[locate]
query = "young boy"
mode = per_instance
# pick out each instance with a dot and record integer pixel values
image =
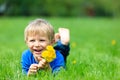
(38, 35)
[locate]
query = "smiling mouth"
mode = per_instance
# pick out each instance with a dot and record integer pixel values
(38, 51)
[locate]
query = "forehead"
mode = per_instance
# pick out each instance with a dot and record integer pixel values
(37, 37)
(36, 33)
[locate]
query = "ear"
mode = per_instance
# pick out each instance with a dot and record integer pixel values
(53, 42)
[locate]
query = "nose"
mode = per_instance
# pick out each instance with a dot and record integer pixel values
(37, 43)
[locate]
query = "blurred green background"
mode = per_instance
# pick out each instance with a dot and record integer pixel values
(75, 8)
(94, 36)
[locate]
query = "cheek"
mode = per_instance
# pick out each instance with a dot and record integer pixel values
(49, 43)
(29, 45)
(45, 44)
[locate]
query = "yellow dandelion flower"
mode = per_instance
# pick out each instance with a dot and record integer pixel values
(74, 62)
(45, 54)
(113, 42)
(49, 54)
(49, 48)
(73, 44)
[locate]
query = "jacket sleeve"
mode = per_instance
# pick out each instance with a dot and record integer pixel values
(58, 63)
(24, 63)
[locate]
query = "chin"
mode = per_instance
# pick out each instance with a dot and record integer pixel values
(37, 55)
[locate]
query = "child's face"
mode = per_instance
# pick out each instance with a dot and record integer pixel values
(37, 44)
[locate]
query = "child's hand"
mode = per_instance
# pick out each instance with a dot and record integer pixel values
(42, 63)
(33, 69)
(63, 35)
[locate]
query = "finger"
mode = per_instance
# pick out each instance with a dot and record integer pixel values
(33, 71)
(39, 59)
(42, 64)
(43, 60)
(34, 67)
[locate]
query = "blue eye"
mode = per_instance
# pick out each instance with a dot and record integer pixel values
(42, 40)
(32, 40)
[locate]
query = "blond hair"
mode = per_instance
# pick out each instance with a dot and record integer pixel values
(39, 26)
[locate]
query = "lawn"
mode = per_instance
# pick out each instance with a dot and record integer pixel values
(94, 55)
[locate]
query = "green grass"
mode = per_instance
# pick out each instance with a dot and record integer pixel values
(92, 56)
